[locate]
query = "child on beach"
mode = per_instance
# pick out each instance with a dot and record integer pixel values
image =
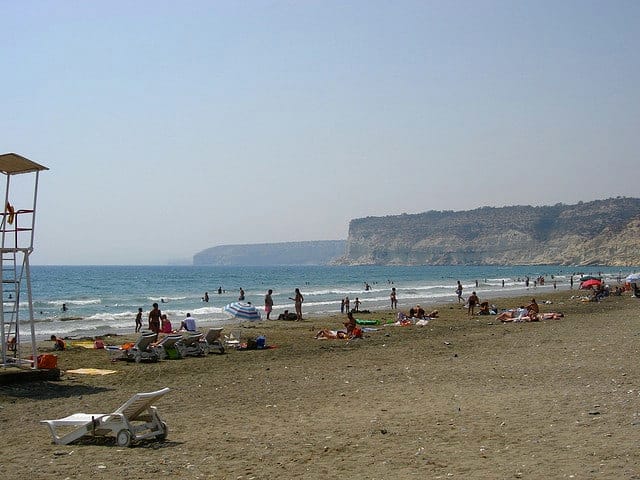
(139, 320)
(58, 343)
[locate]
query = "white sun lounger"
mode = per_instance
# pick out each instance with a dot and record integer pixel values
(135, 420)
(213, 340)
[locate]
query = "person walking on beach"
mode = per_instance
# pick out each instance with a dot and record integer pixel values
(357, 305)
(268, 303)
(154, 319)
(241, 297)
(346, 304)
(342, 305)
(139, 320)
(472, 301)
(394, 298)
(459, 292)
(298, 304)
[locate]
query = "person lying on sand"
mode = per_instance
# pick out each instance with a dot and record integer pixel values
(511, 315)
(331, 334)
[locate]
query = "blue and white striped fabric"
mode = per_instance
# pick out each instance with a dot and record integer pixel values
(633, 278)
(243, 311)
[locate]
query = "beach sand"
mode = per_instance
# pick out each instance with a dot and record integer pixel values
(460, 398)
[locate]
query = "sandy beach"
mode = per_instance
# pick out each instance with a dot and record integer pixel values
(459, 398)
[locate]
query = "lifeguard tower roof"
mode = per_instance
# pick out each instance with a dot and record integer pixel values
(12, 163)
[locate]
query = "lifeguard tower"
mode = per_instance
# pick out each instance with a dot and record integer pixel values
(17, 229)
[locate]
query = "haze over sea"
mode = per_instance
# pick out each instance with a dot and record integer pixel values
(105, 299)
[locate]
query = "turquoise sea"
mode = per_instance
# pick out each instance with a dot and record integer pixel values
(105, 299)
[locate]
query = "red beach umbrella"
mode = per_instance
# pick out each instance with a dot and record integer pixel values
(590, 283)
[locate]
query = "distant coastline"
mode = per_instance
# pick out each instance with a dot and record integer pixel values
(320, 252)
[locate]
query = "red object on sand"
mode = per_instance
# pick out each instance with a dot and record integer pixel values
(590, 283)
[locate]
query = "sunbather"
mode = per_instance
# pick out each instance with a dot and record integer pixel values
(513, 315)
(331, 334)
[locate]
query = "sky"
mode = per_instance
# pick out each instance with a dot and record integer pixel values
(171, 127)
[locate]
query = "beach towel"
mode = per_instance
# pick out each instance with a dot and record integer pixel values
(360, 321)
(91, 371)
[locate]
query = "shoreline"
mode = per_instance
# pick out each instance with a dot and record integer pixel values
(500, 301)
(429, 303)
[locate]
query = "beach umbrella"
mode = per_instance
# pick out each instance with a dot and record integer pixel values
(243, 311)
(633, 278)
(589, 277)
(591, 283)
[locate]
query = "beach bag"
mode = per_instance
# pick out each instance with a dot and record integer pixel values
(47, 361)
(261, 341)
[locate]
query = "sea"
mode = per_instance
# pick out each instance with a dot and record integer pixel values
(103, 300)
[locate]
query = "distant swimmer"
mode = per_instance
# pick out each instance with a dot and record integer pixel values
(206, 297)
(64, 307)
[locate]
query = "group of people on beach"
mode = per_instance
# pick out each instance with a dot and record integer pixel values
(159, 322)
(527, 313)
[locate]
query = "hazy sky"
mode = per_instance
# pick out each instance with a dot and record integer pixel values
(173, 126)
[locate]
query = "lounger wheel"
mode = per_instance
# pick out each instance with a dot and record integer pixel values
(123, 438)
(164, 431)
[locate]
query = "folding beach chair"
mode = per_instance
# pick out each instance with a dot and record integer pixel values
(213, 340)
(166, 347)
(135, 420)
(233, 339)
(190, 345)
